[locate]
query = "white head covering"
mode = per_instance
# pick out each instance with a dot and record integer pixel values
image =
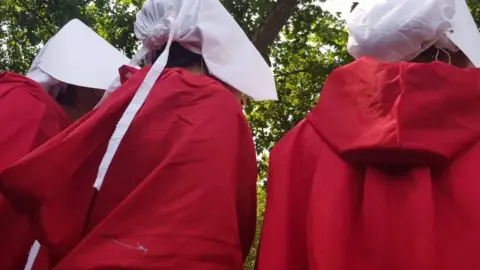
(204, 27)
(76, 55)
(396, 30)
(48, 83)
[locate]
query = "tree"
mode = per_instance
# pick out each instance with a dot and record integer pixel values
(273, 23)
(302, 42)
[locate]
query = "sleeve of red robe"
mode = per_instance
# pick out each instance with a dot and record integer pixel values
(26, 122)
(182, 184)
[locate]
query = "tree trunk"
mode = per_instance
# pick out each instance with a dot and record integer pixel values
(265, 35)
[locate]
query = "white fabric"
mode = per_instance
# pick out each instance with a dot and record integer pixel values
(394, 30)
(116, 83)
(208, 29)
(204, 27)
(48, 83)
(32, 255)
(465, 32)
(79, 56)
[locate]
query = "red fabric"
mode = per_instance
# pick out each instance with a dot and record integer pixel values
(382, 174)
(180, 192)
(126, 72)
(42, 260)
(28, 118)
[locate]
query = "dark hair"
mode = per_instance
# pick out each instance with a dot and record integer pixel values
(68, 97)
(429, 55)
(458, 59)
(179, 56)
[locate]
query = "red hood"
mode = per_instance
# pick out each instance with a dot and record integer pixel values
(401, 113)
(10, 77)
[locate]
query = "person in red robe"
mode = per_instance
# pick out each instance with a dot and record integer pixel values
(35, 108)
(382, 174)
(180, 191)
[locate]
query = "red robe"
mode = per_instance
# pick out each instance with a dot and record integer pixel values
(383, 174)
(180, 192)
(28, 118)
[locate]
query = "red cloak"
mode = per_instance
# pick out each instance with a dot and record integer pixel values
(180, 192)
(383, 174)
(28, 118)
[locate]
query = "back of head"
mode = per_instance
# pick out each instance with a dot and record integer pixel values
(77, 101)
(395, 112)
(455, 58)
(401, 30)
(204, 28)
(178, 57)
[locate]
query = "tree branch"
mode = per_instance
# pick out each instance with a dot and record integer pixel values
(354, 5)
(291, 72)
(265, 35)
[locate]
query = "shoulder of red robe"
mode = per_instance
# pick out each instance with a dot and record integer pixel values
(11, 77)
(399, 112)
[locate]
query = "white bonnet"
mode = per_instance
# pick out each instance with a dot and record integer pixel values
(48, 83)
(399, 30)
(155, 19)
(79, 56)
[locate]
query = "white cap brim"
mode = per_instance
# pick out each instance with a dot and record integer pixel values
(79, 56)
(465, 32)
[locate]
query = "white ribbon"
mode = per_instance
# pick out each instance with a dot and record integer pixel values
(136, 103)
(116, 83)
(32, 255)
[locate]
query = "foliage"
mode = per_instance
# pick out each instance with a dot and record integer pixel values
(475, 9)
(309, 47)
(262, 198)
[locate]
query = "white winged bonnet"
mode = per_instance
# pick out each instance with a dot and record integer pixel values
(79, 56)
(204, 27)
(399, 30)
